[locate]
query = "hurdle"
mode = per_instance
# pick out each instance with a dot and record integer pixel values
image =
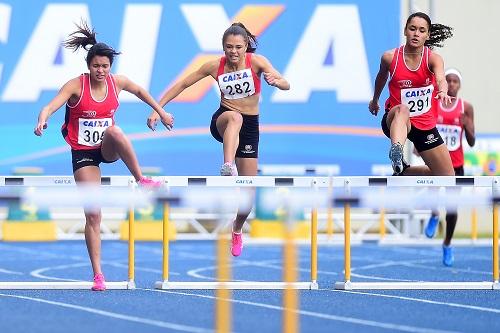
(18, 184)
(440, 182)
(248, 182)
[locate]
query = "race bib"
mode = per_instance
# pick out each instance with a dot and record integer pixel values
(418, 100)
(237, 85)
(451, 135)
(91, 131)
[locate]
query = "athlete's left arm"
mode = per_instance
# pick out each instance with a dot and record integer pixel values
(468, 124)
(271, 75)
(437, 67)
(124, 83)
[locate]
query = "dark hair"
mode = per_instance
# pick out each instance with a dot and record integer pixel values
(437, 32)
(76, 40)
(239, 29)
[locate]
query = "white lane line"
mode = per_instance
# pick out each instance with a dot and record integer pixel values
(151, 322)
(422, 300)
(6, 271)
(351, 320)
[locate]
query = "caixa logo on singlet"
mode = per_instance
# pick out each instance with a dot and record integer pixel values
(405, 83)
(234, 76)
(89, 113)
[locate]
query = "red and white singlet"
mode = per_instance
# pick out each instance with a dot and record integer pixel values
(450, 127)
(414, 88)
(86, 121)
(239, 84)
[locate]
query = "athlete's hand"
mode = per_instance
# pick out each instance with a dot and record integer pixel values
(168, 121)
(445, 99)
(152, 120)
(271, 79)
(39, 128)
(373, 107)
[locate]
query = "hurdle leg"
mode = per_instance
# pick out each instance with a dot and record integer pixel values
(496, 284)
(290, 297)
(223, 295)
(474, 225)
(347, 244)
(314, 248)
(131, 248)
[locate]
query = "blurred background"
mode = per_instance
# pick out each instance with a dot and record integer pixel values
(328, 50)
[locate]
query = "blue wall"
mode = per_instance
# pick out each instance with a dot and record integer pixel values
(330, 52)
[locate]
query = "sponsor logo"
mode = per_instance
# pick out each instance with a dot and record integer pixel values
(418, 93)
(89, 113)
(234, 76)
(431, 138)
(85, 159)
(248, 149)
(63, 181)
(425, 181)
(96, 123)
(427, 81)
(244, 181)
(405, 83)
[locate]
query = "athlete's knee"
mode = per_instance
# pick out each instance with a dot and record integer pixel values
(93, 218)
(402, 111)
(114, 132)
(234, 118)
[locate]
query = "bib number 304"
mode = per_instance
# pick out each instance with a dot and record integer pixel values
(91, 131)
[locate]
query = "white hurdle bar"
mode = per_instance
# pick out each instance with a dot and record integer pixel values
(430, 181)
(66, 182)
(213, 200)
(298, 182)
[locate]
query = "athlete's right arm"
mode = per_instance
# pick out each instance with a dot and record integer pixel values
(70, 88)
(380, 81)
(207, 69)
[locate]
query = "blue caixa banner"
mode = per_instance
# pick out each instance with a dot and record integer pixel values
(329, 52)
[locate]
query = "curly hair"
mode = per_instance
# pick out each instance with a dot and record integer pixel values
(437, 32)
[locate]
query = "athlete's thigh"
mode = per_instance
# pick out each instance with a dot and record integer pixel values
(246, 166)
(226, 117)
(88, 175)
(438, 160)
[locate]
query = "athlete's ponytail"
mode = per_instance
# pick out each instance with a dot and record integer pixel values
(437, 32)
(239, 29)
(84, 37)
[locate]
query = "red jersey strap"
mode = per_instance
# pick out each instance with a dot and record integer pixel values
(222, 63)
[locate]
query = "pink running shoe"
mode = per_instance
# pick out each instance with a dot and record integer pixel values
(236, 244)
(148, 183)
(99, 283)
(228, 169)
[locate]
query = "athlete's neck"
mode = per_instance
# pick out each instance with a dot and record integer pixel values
(412, 50)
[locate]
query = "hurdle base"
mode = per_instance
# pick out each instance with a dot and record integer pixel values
(348, 285)
(63, 285)
(165, 285)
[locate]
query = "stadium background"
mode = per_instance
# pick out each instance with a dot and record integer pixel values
(329, 51)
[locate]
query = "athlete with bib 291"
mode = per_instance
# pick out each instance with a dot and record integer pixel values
(236, 122)
(416, 85)
(89, 128)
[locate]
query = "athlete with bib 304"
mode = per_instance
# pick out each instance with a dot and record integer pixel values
(89, 128)
(417, 83)
(236, 122)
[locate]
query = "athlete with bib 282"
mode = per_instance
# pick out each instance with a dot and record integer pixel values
(236, 122)
(453, 122)
(417, 83)
(89, 128)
